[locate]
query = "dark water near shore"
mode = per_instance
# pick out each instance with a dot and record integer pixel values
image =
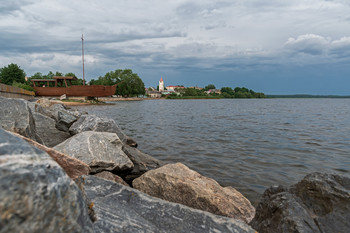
(249, 144)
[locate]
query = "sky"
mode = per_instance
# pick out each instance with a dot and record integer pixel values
(271, 46)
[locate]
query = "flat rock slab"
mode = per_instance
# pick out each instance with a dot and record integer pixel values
(122, 209)
(36, 194)
(100, 150)
(318, 203)
(98, 124)
(177, 183)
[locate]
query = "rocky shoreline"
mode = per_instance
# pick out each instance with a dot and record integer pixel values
(67, 171)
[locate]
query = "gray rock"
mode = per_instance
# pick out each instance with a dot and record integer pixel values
(119, 208)
(48, 108)
(36, 195)
(95, 123)
(72, 166)
(47, 132)
(100, 150)
(35, 107)
(177, 183)
(65, 120)
(318, 203)
(54, 110)
(112, 177)
(16, 116)
(142, 162)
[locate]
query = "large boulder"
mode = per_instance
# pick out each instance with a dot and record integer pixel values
(56, 111)
(318, 203)
(63, 117)
(65, 120)
(98, 124)
(72, 166)
(47, 132)
(119, 208)
(177, 183)
(100, 150)
(16, 116)
(142, 162)
(36, 194)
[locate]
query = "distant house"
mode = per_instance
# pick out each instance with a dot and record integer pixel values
(174, 87)
(211, 91)
(154, 94)
(167, 92)
(198, 88)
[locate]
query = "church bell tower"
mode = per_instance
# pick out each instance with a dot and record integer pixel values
(161, 84)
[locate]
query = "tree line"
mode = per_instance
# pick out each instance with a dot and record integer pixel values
(128, 83)
(224, 92)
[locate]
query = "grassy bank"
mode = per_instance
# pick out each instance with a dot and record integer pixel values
(194, 97)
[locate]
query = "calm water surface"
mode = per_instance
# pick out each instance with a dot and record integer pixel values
(249, 144)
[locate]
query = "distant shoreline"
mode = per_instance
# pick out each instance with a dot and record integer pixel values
(309, 96)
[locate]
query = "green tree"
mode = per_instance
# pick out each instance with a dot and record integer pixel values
(58, 73)
(49, 75)
(12, 73)
(130, 83)
(190, 92)
(227, 91)
(37, 75)
(259, 95)
(243, 94)
(208, 87)
(68, 74)
(93, 82)
(237, 89)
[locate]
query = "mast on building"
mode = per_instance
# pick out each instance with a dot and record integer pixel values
(82, 49)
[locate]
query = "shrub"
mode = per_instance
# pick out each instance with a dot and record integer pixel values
(23, 86)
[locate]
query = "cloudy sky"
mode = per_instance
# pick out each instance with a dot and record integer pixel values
(272, 46)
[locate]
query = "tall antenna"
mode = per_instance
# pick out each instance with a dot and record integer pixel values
(82, 48)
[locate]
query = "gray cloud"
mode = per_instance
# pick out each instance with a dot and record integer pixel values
(173, 36)
(8, 7)
(308, 44)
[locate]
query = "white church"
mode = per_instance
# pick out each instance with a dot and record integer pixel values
(161, 85)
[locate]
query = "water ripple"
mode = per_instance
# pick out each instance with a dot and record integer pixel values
(247, 144)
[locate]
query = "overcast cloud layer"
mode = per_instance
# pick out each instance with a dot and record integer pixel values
(274, 46)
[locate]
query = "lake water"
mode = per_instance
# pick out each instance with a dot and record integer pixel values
(249, 144)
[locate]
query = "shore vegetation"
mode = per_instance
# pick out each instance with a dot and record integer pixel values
(209, 92)
(129, 84)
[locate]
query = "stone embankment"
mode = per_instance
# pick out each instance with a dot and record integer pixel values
(67, 171)
(15, 92)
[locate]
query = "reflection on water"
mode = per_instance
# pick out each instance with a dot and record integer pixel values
(249, 144)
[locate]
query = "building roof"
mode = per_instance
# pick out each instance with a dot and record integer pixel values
(161, 79)
(43, 80)
(175, 86)
(64, 77)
